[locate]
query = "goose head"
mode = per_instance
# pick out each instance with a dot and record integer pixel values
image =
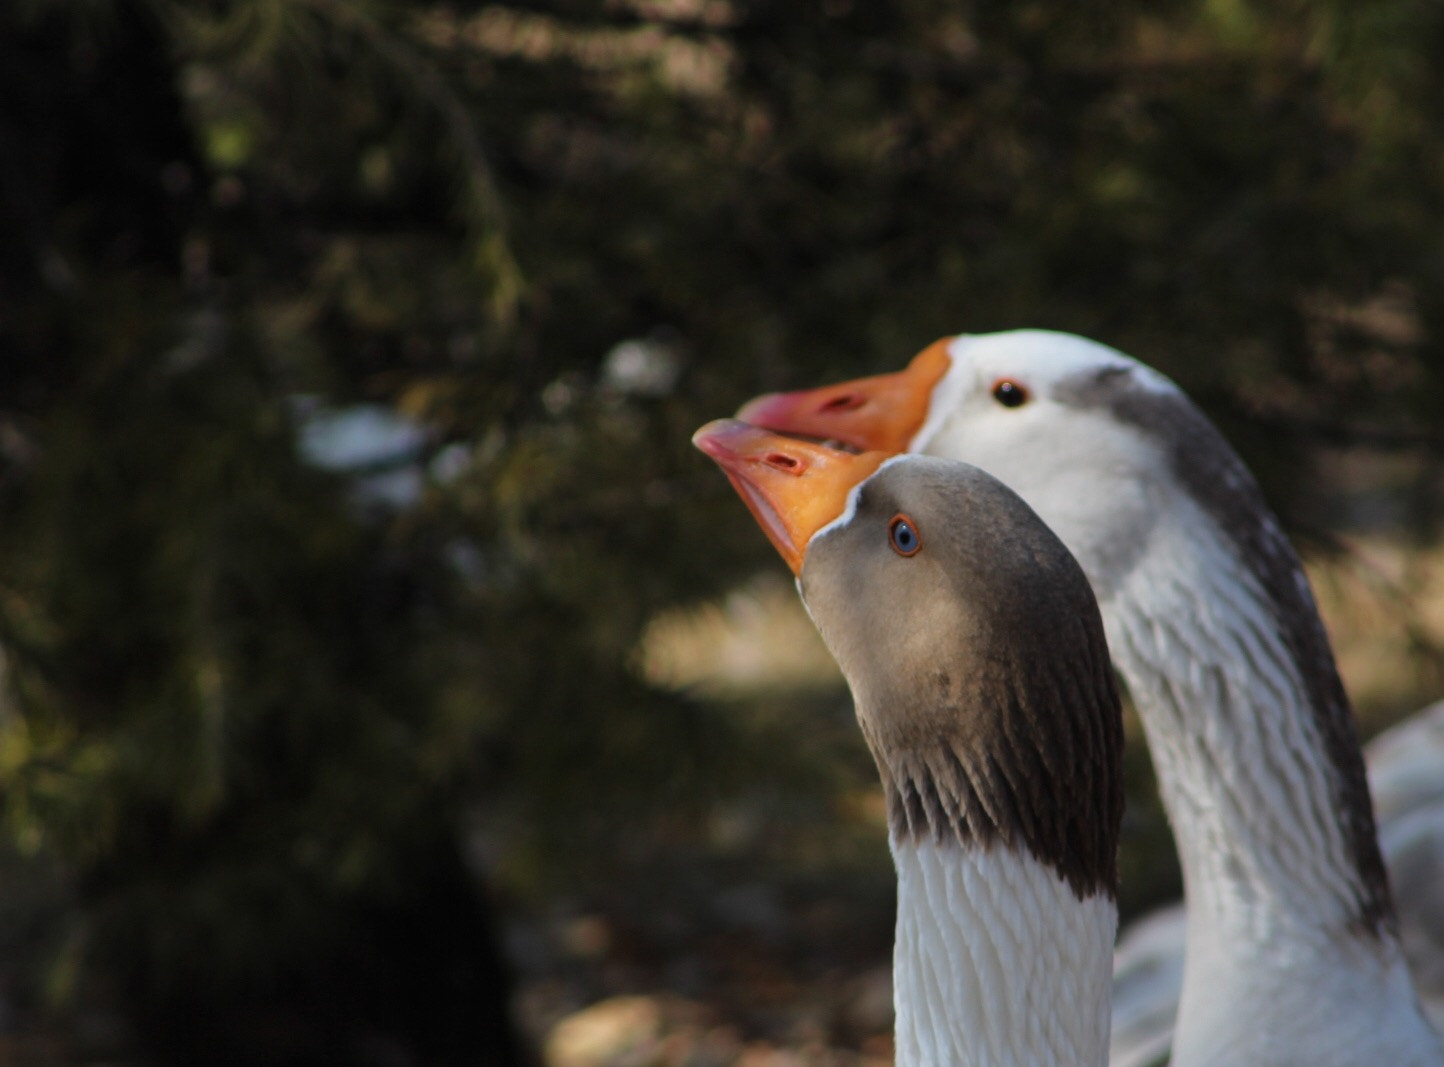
(1098, 443)
(968, 636)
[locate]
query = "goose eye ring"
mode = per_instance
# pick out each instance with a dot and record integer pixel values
(1009, 393)
(902, 535)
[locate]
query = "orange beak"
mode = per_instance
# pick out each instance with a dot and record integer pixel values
(882, 413)
(793, 488)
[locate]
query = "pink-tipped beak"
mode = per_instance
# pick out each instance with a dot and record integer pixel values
(793, 488)
(878, 414)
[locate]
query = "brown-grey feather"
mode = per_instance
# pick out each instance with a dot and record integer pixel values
(1219, 482)
(979, 668)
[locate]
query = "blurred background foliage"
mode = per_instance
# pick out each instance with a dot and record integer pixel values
(380, 664)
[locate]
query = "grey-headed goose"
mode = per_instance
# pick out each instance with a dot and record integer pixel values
(977, 662)
(1293, 951)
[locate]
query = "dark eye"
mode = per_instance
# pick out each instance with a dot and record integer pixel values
(902, 534)
(1009, 393)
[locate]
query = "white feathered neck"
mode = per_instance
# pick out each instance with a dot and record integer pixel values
(997, 961)
(1292, 953)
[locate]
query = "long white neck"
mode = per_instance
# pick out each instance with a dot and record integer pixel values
(1282, 940)
(997, 960)
(1239, 755)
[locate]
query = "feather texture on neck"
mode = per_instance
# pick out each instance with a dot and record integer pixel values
(996, 961)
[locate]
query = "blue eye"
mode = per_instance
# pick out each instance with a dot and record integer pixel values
(902, 534)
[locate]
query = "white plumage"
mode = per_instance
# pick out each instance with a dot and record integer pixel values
(1028, 945)
(1266, 976)
(1294, 954)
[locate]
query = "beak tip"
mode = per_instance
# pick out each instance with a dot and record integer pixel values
(709, 438)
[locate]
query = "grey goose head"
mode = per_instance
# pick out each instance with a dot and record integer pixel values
(968, 635)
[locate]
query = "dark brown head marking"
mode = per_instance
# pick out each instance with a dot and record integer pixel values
(979, 668)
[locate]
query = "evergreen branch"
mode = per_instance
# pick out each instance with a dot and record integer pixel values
(483, 194)
(1324, 431)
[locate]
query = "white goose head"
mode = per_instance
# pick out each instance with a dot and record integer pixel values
(976, 657)
(1064, 421)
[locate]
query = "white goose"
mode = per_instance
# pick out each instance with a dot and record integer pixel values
(1293, 950)
(980, 674)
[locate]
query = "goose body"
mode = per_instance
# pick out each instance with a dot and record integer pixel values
(980, 675)
(1293, 950)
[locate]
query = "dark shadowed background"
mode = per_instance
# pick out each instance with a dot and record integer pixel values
(384, 679)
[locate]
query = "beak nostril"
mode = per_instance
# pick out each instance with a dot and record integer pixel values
(783, 462)
(845, 402)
